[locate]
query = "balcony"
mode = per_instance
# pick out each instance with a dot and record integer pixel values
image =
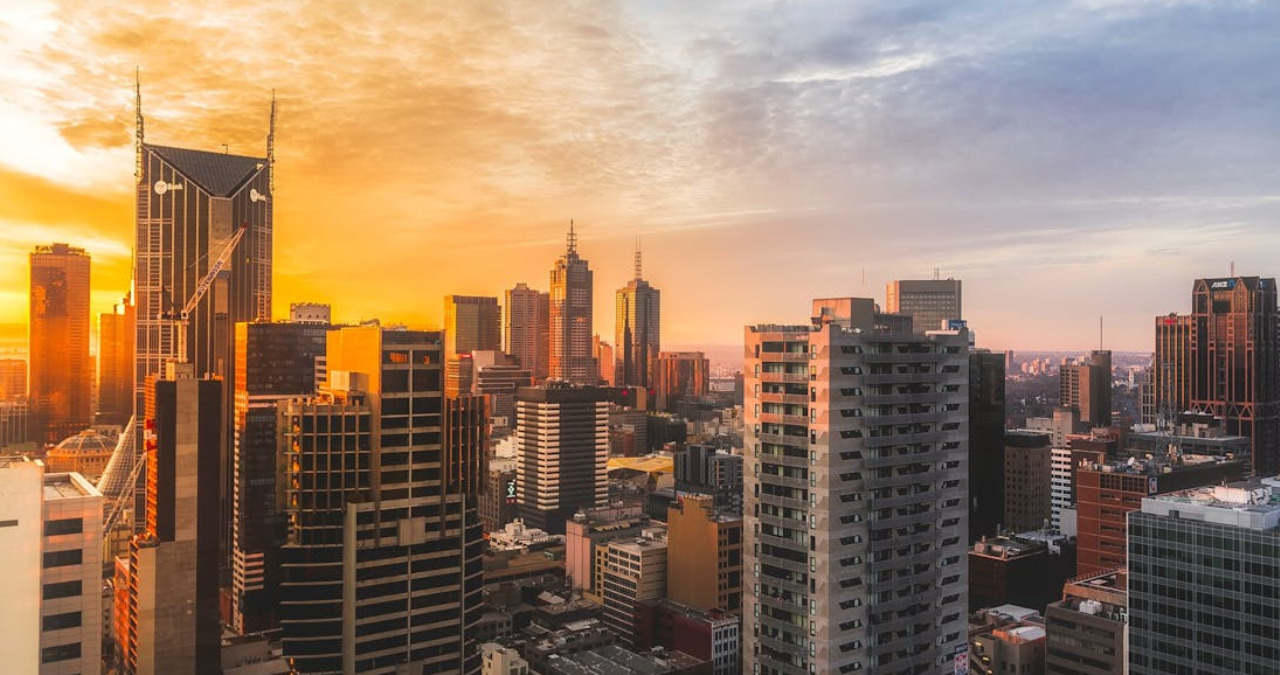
(785, 378)
(783, 481)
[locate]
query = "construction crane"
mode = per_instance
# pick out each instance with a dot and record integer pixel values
(183, 318)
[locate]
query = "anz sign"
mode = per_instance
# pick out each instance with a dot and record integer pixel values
(1222, 285)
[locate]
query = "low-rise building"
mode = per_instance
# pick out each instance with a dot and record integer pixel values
(1085, 630)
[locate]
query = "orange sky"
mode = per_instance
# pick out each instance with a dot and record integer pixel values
(766, 153)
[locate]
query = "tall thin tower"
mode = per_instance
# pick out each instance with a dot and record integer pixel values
(571, 316)
(637, 326)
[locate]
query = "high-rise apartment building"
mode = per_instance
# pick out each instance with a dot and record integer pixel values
(51, 533)
(172, 623)
(986, 442)
(115, 364)
(274, 362)
(189, 204)
(1027, 481)
(681, 376)
(379, 482)
(1085, 385)
(856, 494)
(570, 315)
(929, 301)
(471, 323)
(562, 436)
(1106, 493)
(1204, 588)
(1223, 360)
(13, 379)
(704, 546)
(526, 334)
(61, 382)
(638, 331)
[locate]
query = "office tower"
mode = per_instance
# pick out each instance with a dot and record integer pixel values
(1062, 503)
(1085, 384)
(1204, 592)
(471, 323)
(705, 546)
(681, 376)
(986, 442)
(189, 205)
(495, 376)
(603, 353)
(310, 312)
(115, 364)
(173, 621)
(459, 375)
(929, 302)
(61, 386)
(635, 571)
(562, 434)
(1023, 569)
(13, 422)
(498, 504)
(379, 481)
(704, 470)
(1085, 631)
(1027, 481)
(526, 335)
(51, 533)
(1107, 492)
(274, 362)
(13, 379)
(638, 332)
(1221, 360)
(855, 512)
(570, 317)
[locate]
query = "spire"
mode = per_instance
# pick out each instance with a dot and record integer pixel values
(573, 239)
(138, 136)
(271, 148)
(638, 258)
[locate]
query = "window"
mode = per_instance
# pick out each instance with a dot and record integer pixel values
(60, 621)
(64, 526)
(60, 653)
(62, 559)
(63, 589)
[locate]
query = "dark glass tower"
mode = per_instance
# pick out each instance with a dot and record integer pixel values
(638, 333)
(570, 314)
(986, 442)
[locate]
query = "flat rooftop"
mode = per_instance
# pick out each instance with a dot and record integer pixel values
(68, 486)
(1252, 504)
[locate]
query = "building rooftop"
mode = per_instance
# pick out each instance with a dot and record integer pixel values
(615, 660)
(1157, 466)
(219, 174)
(1008, 548)
(1253, 504)
(68, 486)
(87, 442)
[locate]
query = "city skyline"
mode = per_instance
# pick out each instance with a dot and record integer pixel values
(1078, 146)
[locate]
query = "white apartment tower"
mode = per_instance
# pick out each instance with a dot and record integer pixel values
(856, 495)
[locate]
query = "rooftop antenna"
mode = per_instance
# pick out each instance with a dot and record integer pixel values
(937, 274)
(1099, 333)
(1233, 268)
(573, 238)
(138, 122)
(638, 258)
(226, 149)
(271, 148)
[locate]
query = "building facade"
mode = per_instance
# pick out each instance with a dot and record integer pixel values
(1027, 481)
(986, 442)
(61, 381)
(115, 364)
(929, 302)
(705, 546)
(638, 330)
(569, 318)
(856, 494)
(13, 380)
(562, 436)
(681, 376)
(1085, 630)
(1203, 581)
(526, 334)
(1085, 384)
(635, 571)
(471, 323)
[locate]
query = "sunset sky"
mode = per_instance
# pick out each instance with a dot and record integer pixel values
(1065, 159)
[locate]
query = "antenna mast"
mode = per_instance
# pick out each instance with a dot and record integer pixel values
(138, 123)
(638, 258)
(573, 238)
(271, 148)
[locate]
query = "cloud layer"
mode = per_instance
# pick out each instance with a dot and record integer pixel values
(1065, 159)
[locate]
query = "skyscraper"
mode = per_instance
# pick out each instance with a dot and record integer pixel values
(638, 330)
(570, 318)
(855, 515)
(115, 364)
(562, 436)
(471, 323)
(526, 334)
(61, 381)
(189, 203)
(928, 301)
(1085, 384)
(680, 376)
(1204, 591)
(986, 442)
(13, 379)
(172, 622)
(1222, 360)
(380, 478)
(274, 362)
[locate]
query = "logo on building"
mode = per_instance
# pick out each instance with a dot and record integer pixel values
(162, 187)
